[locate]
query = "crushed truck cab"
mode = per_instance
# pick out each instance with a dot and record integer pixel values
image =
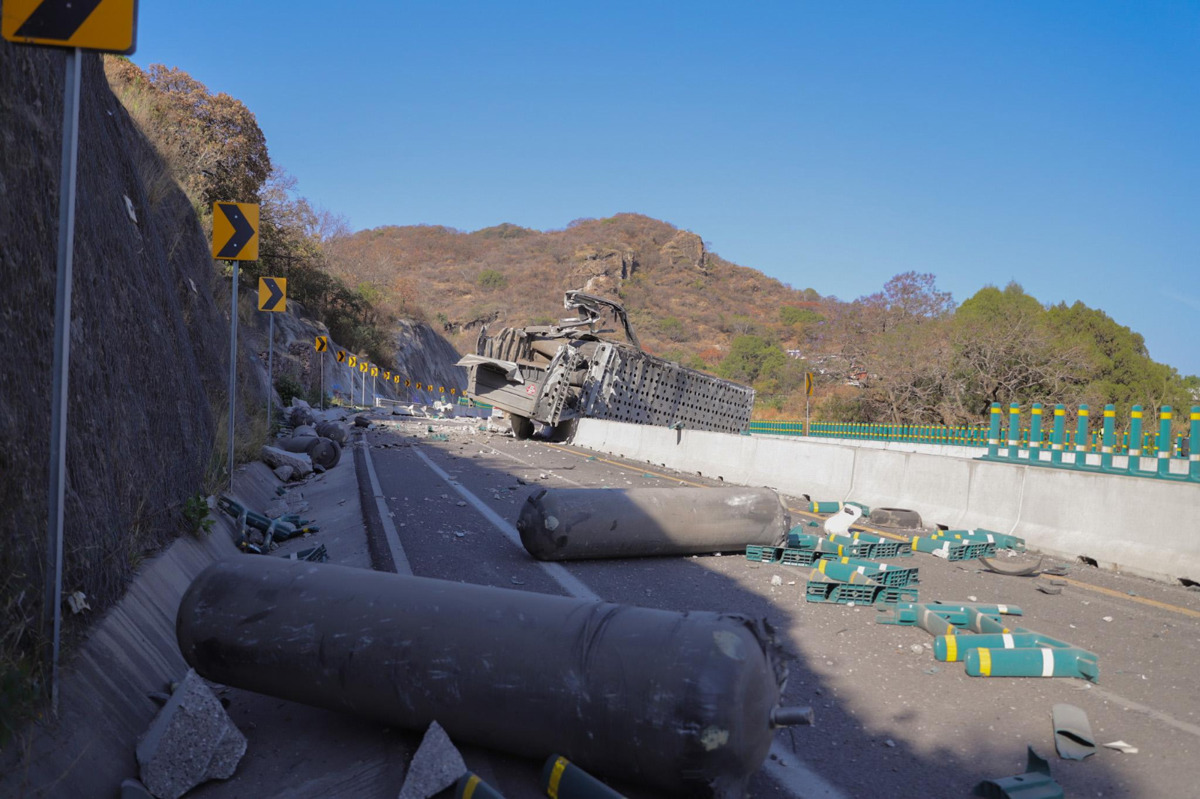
(554, 374)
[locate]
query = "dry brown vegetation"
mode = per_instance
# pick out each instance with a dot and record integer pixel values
(683, 300)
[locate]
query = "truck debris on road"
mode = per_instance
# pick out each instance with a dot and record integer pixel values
(553, 374)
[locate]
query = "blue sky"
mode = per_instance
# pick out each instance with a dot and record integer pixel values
(830, 145)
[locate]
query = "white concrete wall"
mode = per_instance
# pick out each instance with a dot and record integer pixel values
(1133, 524)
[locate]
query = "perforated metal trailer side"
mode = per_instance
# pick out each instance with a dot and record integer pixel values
(557, 373)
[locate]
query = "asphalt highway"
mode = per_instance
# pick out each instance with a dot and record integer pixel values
(890, 719)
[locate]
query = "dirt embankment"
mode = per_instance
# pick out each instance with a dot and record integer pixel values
(146, 360)
(149, 350)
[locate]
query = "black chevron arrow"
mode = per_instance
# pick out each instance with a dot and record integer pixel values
(57, 19)
(243, 231)
(276, 293)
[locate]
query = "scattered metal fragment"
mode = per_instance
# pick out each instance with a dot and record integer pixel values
(1035, 783)
(1024, 571)
(1121, 747)
(1072, 733)
(1089, 561)
(1046, 589)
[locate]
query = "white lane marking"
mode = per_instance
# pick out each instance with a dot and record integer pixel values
(389, 528)
(569, 582)
(797, 778)
(792, 775)
(1158, 715)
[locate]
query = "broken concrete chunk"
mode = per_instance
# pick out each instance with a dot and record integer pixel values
(275, 457)
(436, 766)
(284, 473)
(191, 741)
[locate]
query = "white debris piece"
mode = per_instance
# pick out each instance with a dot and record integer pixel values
(840, 522)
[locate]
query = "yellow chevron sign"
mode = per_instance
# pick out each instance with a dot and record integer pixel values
(106, 25)
(235, 231)
(322, 344)
(272, 294)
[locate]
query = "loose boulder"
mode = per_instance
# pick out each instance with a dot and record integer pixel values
(192, 740)
(276, 457)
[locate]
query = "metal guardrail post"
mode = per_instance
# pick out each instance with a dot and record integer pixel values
(1135, 439)
(1081, 437)
(1164, 441)
(1106, 443)
(993, 439)
(1014, 429)
(1035, 431)
(1193, 455)
(1058, 434)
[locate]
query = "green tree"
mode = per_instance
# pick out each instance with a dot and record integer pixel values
(1005, 350)
(1120, 369)
(748, 354)
(491, 280)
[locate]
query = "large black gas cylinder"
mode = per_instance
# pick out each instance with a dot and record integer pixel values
(576, 523)
(684, 702)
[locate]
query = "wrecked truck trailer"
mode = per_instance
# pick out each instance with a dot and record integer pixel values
(554, 374)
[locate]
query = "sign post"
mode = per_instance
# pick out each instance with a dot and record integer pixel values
(112, 27)
(374, 392)
(362, 367)
(235, 238)
(322, 344)
(272, 296)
